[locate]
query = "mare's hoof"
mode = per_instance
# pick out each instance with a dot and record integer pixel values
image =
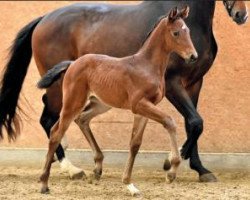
(97, 174)
(45, 190)
(171, 177)
(167, 165)
(79, 175)
(208, 178)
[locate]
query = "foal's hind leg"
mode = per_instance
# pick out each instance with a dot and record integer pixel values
(149, 110)
(94, 108)
(135, 143)
(48, 119)
(56, 135)
(72, 105)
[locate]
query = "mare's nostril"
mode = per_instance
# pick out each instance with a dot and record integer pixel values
(240, 17)
(237, 15)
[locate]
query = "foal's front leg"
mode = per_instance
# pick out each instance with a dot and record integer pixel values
(135, 143)
(149, 110)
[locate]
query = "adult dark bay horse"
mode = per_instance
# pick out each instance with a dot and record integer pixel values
(115, 30)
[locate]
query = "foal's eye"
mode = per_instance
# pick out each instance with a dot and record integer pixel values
(176, 33)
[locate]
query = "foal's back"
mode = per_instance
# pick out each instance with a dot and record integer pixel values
(120, 78)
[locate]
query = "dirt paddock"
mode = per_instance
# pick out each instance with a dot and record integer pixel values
(22, 183)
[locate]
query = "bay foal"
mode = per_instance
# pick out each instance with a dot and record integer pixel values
(135, 83)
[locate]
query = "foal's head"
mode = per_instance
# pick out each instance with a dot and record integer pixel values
(177, 35)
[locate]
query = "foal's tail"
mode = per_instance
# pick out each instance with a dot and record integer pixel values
(11, 82)
(53, 74)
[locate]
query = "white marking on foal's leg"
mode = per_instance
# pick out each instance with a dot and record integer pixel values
(133, 190)
(175, 161)
(74, 172)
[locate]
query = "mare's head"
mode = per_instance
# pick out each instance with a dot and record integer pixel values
(237, 10)
(177, 35)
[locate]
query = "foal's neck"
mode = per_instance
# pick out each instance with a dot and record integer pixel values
(154, 49)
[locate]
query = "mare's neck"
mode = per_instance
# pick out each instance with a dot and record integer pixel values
(154, 49)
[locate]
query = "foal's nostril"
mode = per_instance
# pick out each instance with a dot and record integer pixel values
(193, 58)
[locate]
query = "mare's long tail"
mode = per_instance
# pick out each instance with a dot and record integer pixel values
(12, 80)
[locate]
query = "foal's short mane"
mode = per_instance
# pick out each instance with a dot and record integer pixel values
(178, 15)
(156, 24)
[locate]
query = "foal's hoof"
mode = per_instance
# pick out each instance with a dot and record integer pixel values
(45, 190)
(79, 175)
(171, 177)
(133, 190)
(97, 174)
(208, 178)
(167, 165)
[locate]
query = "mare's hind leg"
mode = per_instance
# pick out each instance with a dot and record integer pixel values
(47, 121)
(149, 110)
(135, 143)
(94, 108)
(72, 106)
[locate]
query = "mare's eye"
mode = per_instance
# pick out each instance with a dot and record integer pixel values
(176, 33)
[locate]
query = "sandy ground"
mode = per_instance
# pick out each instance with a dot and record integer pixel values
(22, 183)
(224, 100)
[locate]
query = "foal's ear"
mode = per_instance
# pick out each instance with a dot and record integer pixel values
(173, 14)
(184, 12)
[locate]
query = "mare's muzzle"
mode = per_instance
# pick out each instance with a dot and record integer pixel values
(240, 17)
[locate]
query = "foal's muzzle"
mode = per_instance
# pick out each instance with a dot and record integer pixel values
(192, 58)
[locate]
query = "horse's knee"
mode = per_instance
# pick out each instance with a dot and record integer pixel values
(170, 125)
(195, 126)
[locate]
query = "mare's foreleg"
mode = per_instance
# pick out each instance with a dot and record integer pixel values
(185, 101)
(93, 109)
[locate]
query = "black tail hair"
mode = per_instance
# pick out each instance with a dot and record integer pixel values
(11, 84)
(53, 74)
